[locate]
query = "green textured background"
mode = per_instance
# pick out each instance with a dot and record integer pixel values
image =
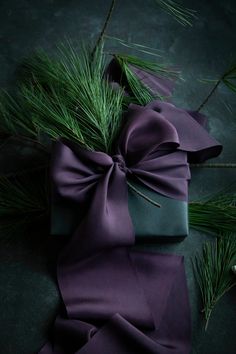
(29, 297)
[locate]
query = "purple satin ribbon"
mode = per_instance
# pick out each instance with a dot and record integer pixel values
(152, 149)
(118, 300)
(123, 302)
(147, 151)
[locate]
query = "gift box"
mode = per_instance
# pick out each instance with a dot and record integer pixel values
(148, 220)
(159, 192)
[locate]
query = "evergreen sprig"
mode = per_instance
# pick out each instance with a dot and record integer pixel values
(68, 96)
(213, 272)
(14, 117)
(182, 14)
(159, 69)
(141, 92)
(23, 200)
(18, 197)
(136, 46)
(214, 214)
(78, 103)
(229, 78)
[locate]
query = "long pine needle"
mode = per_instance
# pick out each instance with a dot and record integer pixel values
(213, 272)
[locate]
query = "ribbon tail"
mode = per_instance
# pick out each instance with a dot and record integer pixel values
(168, 301)
(152, 316)
(107, 224)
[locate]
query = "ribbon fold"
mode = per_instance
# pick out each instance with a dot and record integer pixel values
(118, 300)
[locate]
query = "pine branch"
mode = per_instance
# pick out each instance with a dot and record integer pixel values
(14, 117)
(159, 69)
(213, 271)
(183, 15)
(23, 199)
(17, 197)
(215, 214)
(141, 92)
(68, 97)
(228, 79)
(136, 46)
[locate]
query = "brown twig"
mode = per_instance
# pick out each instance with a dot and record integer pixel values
(214, 165)
(228, 72)
(100, 38)
(209, 95)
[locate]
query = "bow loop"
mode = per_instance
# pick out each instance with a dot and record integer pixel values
(145, 132)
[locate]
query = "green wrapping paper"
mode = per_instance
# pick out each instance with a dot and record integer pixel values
(169, 222)
(150, 222)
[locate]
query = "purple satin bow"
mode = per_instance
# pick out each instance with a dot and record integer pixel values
(146, 151)
(151, 149)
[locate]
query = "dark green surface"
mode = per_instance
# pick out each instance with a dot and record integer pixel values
(28, 293)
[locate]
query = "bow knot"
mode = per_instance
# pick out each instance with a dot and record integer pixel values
(119, 160)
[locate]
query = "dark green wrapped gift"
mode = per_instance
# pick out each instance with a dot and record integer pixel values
(168, 222)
